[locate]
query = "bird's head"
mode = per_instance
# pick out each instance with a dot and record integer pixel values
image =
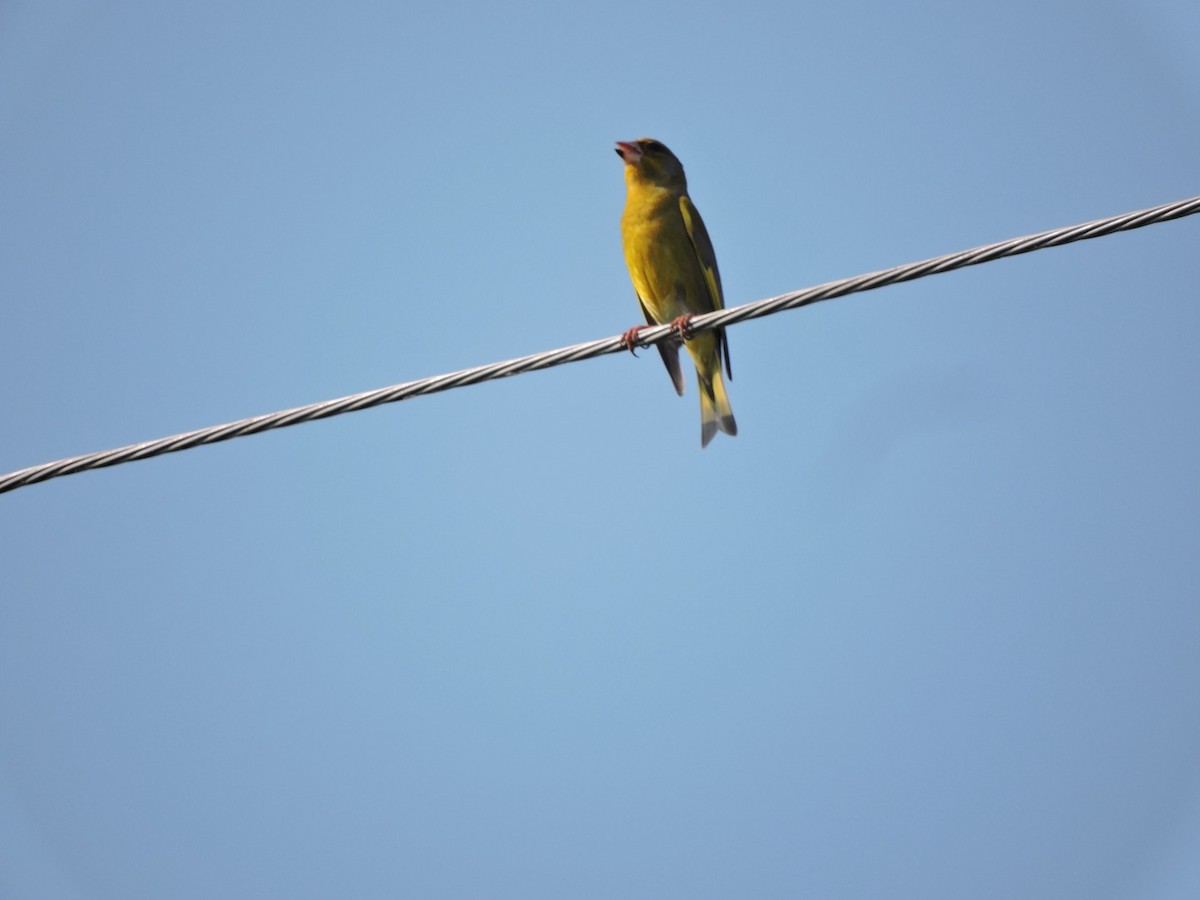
(649, 161)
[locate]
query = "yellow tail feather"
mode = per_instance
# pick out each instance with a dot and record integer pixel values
(715, 412)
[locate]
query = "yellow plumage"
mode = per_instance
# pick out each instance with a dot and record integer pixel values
(674, 272)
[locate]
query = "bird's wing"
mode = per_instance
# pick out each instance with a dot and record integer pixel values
(707, 258)
(669, 350)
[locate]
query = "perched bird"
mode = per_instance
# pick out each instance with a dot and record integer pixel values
(674, 272)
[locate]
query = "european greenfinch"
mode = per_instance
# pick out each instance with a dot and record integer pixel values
(674, 272)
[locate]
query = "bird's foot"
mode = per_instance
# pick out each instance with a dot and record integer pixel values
(683, 326)
(629, 338)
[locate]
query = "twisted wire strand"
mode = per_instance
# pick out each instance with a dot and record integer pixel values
(578, 352)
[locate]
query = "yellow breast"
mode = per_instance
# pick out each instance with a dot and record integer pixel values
(659, 254)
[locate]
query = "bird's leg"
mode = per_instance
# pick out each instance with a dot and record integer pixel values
(629, 338)
(682, 326)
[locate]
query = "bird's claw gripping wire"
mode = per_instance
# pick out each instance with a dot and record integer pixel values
(629, 338)
(683, 326)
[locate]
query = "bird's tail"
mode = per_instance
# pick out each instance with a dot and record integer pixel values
(715, 412)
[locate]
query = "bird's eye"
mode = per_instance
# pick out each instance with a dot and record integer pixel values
(651, 146)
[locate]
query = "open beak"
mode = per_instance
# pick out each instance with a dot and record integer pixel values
(629, 151)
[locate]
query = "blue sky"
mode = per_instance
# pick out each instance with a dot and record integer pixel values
(927, 627)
